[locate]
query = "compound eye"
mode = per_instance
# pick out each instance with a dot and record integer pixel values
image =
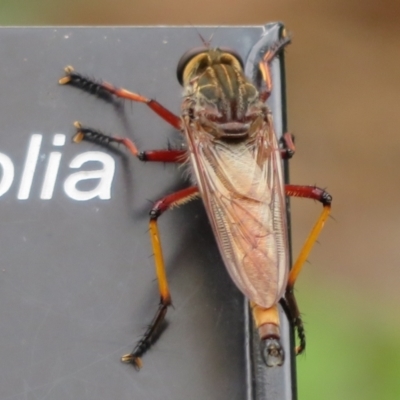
(185, 60)
(233, 53)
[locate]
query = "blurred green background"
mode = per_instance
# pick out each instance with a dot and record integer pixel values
(343, 94)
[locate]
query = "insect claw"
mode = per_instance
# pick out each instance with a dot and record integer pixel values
(132, 359)
(79, 135)
(66, 79)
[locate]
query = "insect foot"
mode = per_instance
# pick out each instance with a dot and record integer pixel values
(131, 359)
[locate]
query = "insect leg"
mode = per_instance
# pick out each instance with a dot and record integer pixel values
(265, 69)
(288, 151)
(104, 90)
(310, 192)
(175, 199)
(95, 136)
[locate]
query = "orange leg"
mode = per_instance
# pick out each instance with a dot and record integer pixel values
(310, 192)
(151, 334)
(175, 199)
(106, 91)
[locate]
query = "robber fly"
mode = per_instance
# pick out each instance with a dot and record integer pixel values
(236, 165)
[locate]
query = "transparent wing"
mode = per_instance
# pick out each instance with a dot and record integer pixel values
(242, 188)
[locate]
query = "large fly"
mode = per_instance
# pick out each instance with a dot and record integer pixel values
(236, 165)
